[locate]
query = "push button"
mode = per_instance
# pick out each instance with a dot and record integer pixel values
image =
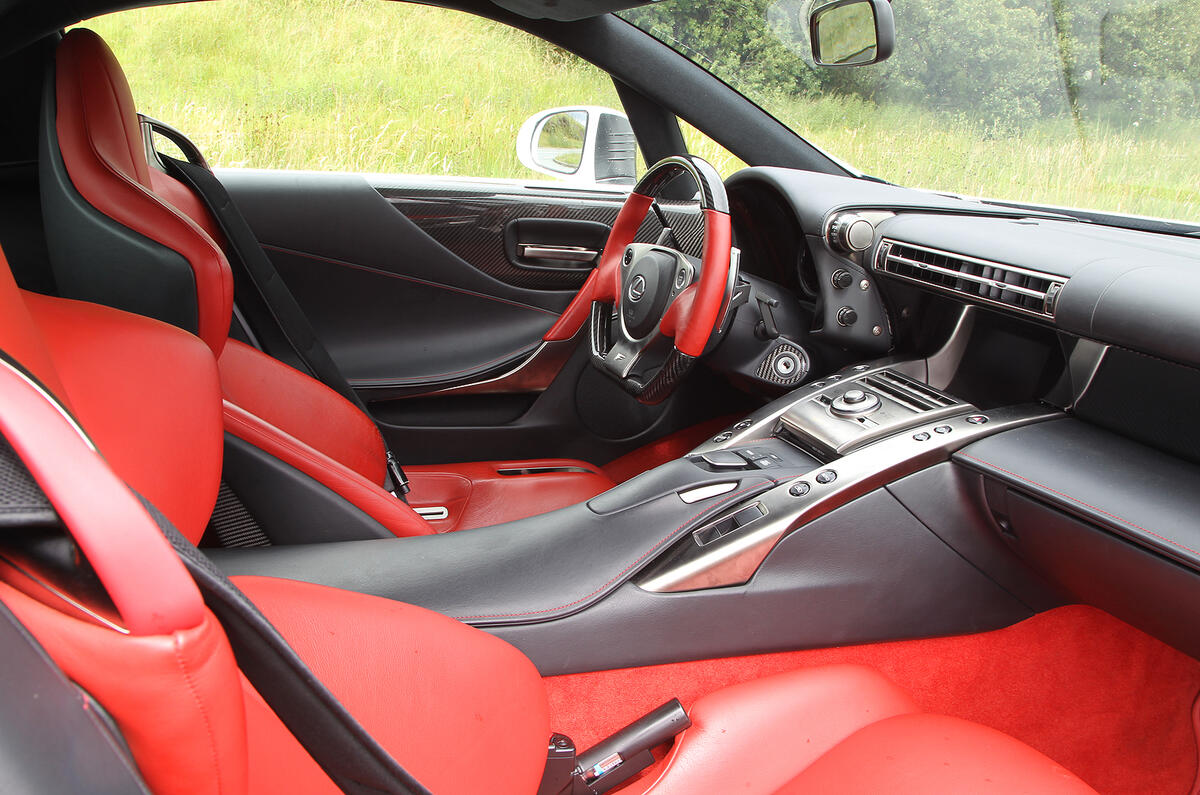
(723, 437)
(828, 476)
(943, 429)
(977, 419)
(922, 436)
(799, 489)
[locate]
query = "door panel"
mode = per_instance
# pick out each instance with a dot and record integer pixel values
(394, 306)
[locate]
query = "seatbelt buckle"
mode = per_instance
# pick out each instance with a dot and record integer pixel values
(400, 485)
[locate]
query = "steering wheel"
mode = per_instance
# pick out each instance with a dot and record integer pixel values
(654, 309)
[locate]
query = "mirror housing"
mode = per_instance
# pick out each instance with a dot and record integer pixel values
(852, 32)
(585, 144)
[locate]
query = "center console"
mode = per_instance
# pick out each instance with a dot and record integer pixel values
(852, 432)
(783, 531)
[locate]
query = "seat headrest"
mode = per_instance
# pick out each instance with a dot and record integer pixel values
(120, 232)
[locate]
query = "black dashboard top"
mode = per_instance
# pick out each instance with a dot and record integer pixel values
(1134, 289)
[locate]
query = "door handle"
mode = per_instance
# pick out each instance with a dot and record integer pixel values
(580, 255)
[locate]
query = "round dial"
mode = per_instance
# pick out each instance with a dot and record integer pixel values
(850, 232)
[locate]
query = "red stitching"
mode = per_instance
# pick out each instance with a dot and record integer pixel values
(1079, 502)
(625, 570)
(392, 274)
(187, 678)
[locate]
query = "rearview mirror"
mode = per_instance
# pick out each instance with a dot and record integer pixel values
(852, 32)
(582, 144)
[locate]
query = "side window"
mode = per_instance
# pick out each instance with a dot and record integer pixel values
(371, 87)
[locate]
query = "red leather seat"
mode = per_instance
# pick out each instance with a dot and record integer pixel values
(461, 710)
(272, 406)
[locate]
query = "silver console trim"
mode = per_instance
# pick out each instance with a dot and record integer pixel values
(735, 558)
(704, 492)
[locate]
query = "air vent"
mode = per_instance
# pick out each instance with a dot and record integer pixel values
(1016, 288)
(907, 392)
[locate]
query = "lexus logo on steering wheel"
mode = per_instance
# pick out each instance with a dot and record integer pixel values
(637, 288)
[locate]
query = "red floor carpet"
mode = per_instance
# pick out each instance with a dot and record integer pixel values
(1096, 695)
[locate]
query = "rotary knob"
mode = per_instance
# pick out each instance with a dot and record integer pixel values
(850, 232)
(854, 402)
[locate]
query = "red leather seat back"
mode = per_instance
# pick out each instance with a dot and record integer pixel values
(119, 232)
(147, 393)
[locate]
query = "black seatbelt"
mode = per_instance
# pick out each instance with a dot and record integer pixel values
(247, 258)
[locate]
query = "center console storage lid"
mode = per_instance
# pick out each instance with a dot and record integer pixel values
(1134, 491)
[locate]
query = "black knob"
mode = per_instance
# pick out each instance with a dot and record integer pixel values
(842, 278)
(847, 316)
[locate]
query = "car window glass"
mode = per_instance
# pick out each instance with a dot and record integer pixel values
(1079, 103)
(348, 86)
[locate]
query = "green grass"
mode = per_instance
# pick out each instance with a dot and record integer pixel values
(362, 85)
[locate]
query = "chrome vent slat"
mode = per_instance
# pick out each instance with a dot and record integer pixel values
(1009, 286)
(925, 397)
(901, 396)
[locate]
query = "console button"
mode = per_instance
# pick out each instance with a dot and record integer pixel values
(854, 396)
(942, 429)
(828, 476)
(799, 489)
(977, 419)
(922, 436)
(723, 437)
(743, 425)
(764, 463)
(706, 535)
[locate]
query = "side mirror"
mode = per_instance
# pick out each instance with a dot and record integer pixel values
(584, 144)
(852, 32)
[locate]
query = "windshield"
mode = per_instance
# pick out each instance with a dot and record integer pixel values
(1075, 103)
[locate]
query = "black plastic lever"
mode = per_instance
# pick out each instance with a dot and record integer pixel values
(614, 760)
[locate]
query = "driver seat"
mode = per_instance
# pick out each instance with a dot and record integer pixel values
(127, 235)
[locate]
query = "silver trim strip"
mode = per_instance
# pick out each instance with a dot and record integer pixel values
(704, 492)
(433, 512)
(53, 402)
(82, 608)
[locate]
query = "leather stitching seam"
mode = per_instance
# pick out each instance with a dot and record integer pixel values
(212, 739)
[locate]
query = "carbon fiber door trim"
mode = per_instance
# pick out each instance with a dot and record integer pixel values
(469, 220)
